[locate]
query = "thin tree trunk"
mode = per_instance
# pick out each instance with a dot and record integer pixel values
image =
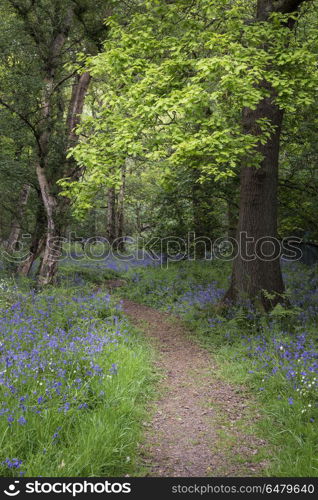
(138, 220)
(121, 211)
(197, 212)
(111, 215)
(255, 275)
(232, 219)
(37, 243)
(36, 249)
(79, 91)
(51, 45)
(52, 245)
(42, 167)
(16, 228)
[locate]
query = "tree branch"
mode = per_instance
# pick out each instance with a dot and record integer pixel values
(22, 118)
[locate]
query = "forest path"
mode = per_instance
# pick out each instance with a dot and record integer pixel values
(200, 426)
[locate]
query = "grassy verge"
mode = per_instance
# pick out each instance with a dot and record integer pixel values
(75, 379)
(274, 356)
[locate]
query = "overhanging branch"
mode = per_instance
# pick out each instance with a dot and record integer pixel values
(22, 118)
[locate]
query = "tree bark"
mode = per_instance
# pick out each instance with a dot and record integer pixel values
(252, 274)
(79, 91)
(47, 174)
(16, 228)
(52, 249)
(120, 245)
(198, 213)
(256, 275)
(232, 219)
(42, 167)
(52, 163)
(37, 242)
(111, 216)
(57, 207)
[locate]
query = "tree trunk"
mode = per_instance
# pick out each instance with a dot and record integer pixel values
(252, 273)
(79, 91)
(52, 246)
(139, 225)
(256, 275)
(202, 221)
(16, 229)
(232, 219)
(37, 243)
(120, 245)
(111, 216)
(198, 213)
(52, 164)
(57, 207)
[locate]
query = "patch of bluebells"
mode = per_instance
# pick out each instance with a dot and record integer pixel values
(274, 349)
(12, 463)
(180, 294)
(55, 354)
(115, 262)
(77, 269)
(198, 296)
(291, 357)
(302, 284)
(287, 351)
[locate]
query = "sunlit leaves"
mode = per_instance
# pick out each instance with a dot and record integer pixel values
(174, 82)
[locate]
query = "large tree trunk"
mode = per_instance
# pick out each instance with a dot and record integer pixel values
(47, 174)
(56, 207)
(52, 249)
(79, 91)
(256, 275)
(252, 273)
(16, 228)
(43, 168)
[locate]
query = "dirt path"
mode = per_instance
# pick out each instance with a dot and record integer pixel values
(200, 423)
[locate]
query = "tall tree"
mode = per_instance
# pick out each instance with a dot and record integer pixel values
(257, 267)
(207, 85)
(54, 31)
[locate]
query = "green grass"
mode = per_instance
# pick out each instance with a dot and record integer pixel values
(98, 433)
(103, 442)
(291, 437)
(71, 274)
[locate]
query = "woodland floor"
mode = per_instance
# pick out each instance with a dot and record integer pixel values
(201, 425)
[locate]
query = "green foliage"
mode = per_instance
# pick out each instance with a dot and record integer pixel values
(174, 85)
(168, 93)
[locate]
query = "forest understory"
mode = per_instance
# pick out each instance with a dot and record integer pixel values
(174, 387)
